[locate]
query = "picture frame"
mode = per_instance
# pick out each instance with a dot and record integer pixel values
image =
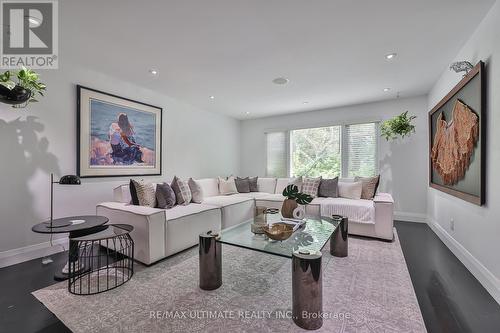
(117, 136)
(464, 175)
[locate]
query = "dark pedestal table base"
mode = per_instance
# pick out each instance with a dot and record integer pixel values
(339, 239)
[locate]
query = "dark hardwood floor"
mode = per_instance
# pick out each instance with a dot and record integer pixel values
(450, 298)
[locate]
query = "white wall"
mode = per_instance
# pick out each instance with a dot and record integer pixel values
(403, 165)
(476, 238)
(42, 139)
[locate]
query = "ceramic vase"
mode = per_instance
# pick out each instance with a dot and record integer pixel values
(288, 206)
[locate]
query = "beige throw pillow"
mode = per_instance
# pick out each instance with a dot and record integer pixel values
(196, 190)
(310, 186)
(350, 190)
(228, 186)
(146, 193)
(185, 192)
(370, 185)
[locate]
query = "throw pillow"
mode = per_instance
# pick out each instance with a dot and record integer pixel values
(310, 186)
(350, 190)
(370, 185)
(146, 195)
(328, 188)
(296, 181)
(177, 190)
(133, 193)
(228, 186)
(253, 184)
(196, 191)
(165, 196)
(242, 184)
(185, 192)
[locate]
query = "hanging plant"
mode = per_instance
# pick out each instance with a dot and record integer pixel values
(399, 126)
(19, 88)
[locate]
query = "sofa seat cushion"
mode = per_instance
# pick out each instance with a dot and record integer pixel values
(253, 195)
(359, 210)
(186, 210)
(225, 200)
(273, 197)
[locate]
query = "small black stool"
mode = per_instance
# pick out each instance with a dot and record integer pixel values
(110, 255)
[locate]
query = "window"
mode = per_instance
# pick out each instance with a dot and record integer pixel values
(315, 152)
(344, 151)
(276, 154)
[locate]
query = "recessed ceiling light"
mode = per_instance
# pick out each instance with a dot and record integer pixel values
(390, 56)
(281, 80)
(387, 89)
(212, 97)
(248, 112)
(153, 71)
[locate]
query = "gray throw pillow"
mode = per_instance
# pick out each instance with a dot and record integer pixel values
(165, 196)
(196, 191)
(370, 186)
(242, 184)
(328, 188)
(252, 182)
(177, 191)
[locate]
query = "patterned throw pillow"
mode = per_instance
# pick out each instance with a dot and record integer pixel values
(196, 191)
(369, 186)
(228, 186)
(252, 181)
(328, 188)
(242, 184)
(310, 186)
(185, 192)
(146, 195)
(165, 196)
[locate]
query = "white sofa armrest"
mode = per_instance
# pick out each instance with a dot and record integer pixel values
(384, 215)
(149, 228)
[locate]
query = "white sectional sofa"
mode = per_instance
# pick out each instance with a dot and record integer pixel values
(159, 233)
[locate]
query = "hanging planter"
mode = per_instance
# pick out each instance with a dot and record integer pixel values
(399, 126)
(19, 94)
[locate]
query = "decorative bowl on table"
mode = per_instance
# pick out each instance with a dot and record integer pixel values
(278, 231)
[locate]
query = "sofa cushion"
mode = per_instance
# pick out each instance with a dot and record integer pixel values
(370, 185)
(273, 197)
(254, 195)
(196, 191)
(252, 182)
(143, 192)
(165, 196)
(242, 184)
(227, 186)
(350, 190)
(328, 188)
(122, 194)
(209, 186)
(267, 185)
(310, 186)
(186, 210)
(281, 183)
(225, 200)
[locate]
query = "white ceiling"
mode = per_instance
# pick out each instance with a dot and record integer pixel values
(332, 51)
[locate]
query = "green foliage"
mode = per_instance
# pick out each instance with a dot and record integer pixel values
(26, 78)
(398, 126)
(292, 192)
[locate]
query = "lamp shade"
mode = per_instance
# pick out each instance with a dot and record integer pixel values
(70, 180)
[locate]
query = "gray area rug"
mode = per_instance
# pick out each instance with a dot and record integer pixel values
(369, 291)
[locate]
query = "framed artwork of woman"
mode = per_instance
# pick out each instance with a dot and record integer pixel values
(117, 136)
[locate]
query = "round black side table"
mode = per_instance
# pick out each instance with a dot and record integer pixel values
(76, 226)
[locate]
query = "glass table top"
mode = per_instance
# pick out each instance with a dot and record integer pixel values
(311, 237)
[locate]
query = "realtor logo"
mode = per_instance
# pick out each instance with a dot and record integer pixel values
(29, 34)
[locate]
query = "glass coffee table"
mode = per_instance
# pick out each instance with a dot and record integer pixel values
(303, 247)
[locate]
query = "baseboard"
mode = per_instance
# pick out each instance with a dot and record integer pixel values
(16, 256)
(410, 217)
(481, 273)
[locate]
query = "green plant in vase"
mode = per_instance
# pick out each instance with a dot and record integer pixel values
(399, 126)
(294, 198)
(19, 88)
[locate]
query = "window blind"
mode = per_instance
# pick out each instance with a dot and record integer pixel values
(277, 154)
(361, 142)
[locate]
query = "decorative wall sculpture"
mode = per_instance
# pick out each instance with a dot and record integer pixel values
(457, 137)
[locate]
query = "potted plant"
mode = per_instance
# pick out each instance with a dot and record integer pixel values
(294, 198)
(19, 94)
(398, 126)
